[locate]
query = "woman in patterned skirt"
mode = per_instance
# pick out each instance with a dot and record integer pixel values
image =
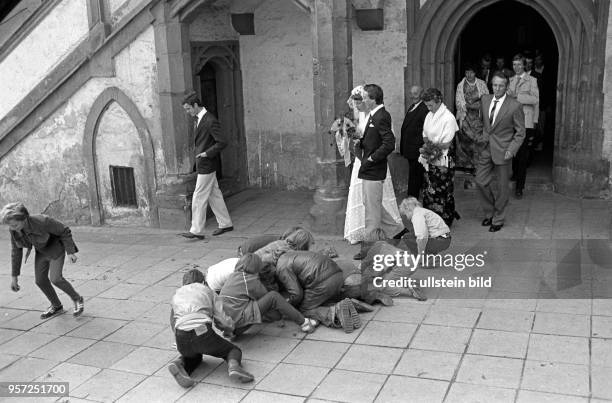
(439, 131)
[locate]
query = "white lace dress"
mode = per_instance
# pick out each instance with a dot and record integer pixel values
(354, 225)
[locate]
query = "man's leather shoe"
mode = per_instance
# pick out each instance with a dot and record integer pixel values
(401, 234)
(495, 228)
(190, 235)
(519, 194)
(220, 231)
(359, 256)
(487, 222)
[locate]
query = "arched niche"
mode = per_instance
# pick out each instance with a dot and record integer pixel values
(104, 100)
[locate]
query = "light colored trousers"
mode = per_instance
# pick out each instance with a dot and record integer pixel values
(375, 215)
(207, 191)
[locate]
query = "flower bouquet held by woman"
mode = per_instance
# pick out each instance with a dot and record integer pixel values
(348, 132)
(439, 131)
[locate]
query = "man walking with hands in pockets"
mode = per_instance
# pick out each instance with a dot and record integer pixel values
(209, 141)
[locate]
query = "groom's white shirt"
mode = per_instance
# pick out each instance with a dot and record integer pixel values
(373, 111)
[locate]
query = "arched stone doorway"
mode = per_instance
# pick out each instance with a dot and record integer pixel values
(217, 80)
(579, 29)
(500, 31)
(140, 206)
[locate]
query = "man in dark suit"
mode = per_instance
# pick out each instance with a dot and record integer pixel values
(412, 140)
(209, 141)
(503, 134)
(377, 143)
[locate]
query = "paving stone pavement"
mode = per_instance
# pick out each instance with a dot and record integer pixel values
(518, 343)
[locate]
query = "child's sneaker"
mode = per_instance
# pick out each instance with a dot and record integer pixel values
(354, 315)
(181, 376)
(52, 311)
(309, 325)
(79, 306)
(343, 312)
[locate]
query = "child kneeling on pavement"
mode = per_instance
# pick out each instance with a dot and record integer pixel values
(194, 307)
(246, 300)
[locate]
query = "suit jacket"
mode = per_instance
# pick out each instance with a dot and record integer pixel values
(525, 90)
(49, 237)
(508, 130)
(378, 142)
(412, 131)
(209, 139)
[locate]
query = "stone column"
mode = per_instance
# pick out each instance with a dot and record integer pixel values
(174, 80)
(333, 79)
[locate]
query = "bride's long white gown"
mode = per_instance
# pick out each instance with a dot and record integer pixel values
(354, 224)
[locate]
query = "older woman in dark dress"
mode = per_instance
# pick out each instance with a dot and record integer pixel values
(439, 130)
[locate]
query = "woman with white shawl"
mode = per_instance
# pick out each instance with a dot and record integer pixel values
(354, 224)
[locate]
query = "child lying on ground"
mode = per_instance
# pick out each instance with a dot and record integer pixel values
(245, 299)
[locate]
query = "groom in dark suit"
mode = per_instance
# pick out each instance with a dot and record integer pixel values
(412, 140)
(377, 143)
(502, 136)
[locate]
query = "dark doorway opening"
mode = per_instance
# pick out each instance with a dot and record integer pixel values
(503, 30)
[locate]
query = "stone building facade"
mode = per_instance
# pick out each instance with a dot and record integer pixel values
(92, 128)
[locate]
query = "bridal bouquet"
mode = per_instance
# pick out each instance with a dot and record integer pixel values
(345, 132)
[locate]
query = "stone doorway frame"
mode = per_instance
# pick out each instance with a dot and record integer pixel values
(579, 27)
(224, 56)
(101, 104)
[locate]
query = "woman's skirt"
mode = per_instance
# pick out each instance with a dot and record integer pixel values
(438, 192)
(354, 224)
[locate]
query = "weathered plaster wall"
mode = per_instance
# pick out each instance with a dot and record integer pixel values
(379, 57)
(50, 160)
(213, 25)
(278, 97)
(41, 50)
(607, 110)
(117, 144)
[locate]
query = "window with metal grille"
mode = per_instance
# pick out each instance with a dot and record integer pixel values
(123, 186)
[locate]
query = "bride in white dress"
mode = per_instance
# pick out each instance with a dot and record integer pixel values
(354, 225)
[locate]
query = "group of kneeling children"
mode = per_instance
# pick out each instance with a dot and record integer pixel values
(239, 292)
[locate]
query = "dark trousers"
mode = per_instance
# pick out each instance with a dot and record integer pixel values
(434, 245)
(415, 177)
(273, 301)
(521, 161)
(191, 347)
(49, 271)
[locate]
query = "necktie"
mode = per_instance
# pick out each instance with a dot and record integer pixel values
(492, 113)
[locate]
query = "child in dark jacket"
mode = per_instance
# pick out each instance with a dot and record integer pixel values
(194, 308)
(246, 300)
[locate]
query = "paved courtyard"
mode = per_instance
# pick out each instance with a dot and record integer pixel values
(521, 341)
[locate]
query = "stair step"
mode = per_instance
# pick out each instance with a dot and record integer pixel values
(467, 182)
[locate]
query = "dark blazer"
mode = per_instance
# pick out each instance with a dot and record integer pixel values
(412, 131)
(508, 130)
(209, 139)
(378, 142)
(49, 237)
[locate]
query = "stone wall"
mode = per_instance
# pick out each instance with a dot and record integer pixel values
(117, 144)
(120, 8)
(607, 108)
(278, 97)
(30, 62)
(47, 169)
